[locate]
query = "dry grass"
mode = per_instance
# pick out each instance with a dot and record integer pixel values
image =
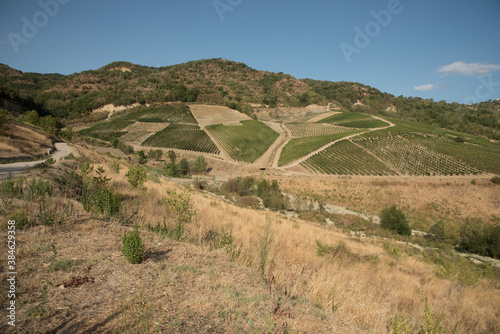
(425, 200)
(23, 141)
(184, 288)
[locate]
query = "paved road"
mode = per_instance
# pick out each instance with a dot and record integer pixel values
(16, 168)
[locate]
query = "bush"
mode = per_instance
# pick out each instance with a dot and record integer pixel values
(105, 201)
(395, 220)
(200, 165)
(136, 176)
(495, 180)
(133, 247)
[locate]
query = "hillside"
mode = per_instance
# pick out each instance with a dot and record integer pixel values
(213, 264)
(224, 82)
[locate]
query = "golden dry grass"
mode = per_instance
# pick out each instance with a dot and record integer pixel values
(23, 141)
(181, 282)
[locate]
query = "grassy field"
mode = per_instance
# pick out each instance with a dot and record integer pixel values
(365, 124)
(298, 147)
(245, 142)
(184, 137)
(345, 116)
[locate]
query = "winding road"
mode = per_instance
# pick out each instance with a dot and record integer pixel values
(16, 168)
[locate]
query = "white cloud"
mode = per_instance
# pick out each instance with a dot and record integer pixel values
(424, 88)
(469, 69)
(429, 87)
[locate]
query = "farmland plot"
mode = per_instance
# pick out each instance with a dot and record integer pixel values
(346, 158)
(211, 115)
(413, 159)
(183, 137)
(245, 142)
(315, 129)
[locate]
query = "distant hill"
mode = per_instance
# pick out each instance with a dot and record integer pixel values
(224, 82)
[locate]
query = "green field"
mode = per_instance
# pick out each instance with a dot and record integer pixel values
(346, 158)
(299, 147)
(345, 116)
(160, 114)
(314, 129)
(184, 137)
(245, 142)
(369, 123)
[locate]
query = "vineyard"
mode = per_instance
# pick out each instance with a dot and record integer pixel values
(343, 117)
(369, 123)
(413, 159)
(299, 147)
(346, 158)
(245, 142)
(183, 137)
(160, 114)
(315, 129)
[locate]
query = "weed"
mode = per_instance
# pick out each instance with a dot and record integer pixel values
(264, 240)
(114, 165)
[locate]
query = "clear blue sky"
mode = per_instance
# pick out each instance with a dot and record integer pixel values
(441, 49)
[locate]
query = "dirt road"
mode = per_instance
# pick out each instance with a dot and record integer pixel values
(16, 168)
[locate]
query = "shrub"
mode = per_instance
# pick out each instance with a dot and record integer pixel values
(438, 232)
(105, 201)
(136, 176)
(133, 247)
(200, 165)
(114, 165)
(495, 180)
(395, 220)
(472, 237)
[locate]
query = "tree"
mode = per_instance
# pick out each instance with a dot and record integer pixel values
(395, 220)
(473, 239)
(136, 176)
(5, 118)
(200, 164)
(32, 117)
(184, 167)
(50, 125)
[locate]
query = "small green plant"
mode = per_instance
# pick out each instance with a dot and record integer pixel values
(133, 247)
(105, 201)
(137, 176)
(181, 209)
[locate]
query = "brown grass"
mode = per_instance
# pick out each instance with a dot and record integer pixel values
(23, 141)
(184, 288)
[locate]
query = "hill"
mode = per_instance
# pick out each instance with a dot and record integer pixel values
(224, 82)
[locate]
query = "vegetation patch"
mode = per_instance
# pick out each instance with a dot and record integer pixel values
(184, 137)
(346, 158)
(299, 147)
(245, 142)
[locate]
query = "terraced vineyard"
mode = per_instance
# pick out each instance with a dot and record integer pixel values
(161, 114)
(343, 117)
(315, 129)
(184, 137)
(245, 142)
(414, 159)
(346, 158)
(299, 147)
(369, 123)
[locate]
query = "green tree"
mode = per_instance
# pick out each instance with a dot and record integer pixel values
(136, 176)
(472, 237)
(184, 167)
(32, 117)
(50, 125)
(200, 164)
(395, 220)
(141, 157)
(5, 118)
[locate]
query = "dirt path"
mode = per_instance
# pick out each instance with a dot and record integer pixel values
(264, 159)
(280, 148)
(16, 168)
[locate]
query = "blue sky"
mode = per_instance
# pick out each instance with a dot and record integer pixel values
(441, 49)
